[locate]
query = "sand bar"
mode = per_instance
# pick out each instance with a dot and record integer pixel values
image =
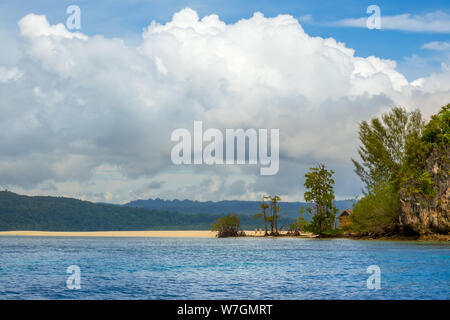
(153, 233)
(149, 233)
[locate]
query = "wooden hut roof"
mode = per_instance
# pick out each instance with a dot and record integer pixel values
(346, 212)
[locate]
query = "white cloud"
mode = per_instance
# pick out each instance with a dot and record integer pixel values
(307, 18)
(433, 22)
(38, 26)
(437, 45)
(84, 103)
(9, 74)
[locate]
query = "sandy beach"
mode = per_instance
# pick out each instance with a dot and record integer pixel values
(152, 233)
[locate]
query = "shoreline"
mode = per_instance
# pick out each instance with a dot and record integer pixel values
(119, 234)
(141, 233)
(205, 234)
(423, 238)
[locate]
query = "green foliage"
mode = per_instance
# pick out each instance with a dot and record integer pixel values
(437, 131)
(263, 215)
(320, 192)
(436, 134)
(270, 216)
(383, 144)
(228, 226)
(301, 221)
(377, 212)
(294, 229)
(19, 212)
(274, 216)
(300, 225)
(333, 232)
(387, 144)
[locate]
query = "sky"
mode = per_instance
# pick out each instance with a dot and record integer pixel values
(88, 113)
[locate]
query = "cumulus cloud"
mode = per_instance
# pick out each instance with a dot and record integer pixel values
(433, 22)
(82, 102)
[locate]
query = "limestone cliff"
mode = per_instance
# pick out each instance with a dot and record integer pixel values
(428, 215)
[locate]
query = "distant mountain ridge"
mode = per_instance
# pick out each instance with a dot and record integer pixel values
(46, 213)
(290, 209)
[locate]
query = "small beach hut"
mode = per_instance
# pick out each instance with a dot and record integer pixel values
(344, 218)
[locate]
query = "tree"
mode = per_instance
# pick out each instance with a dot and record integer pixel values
(376, 213)
(300, 225)
(435, 136)
(274, 209)
(320, 194)
(272, 216)
(263, 215)
(228, 226)
(383, 144)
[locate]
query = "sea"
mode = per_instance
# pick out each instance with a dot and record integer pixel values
(230, 268)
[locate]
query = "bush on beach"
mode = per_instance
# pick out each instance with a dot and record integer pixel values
(228, 226)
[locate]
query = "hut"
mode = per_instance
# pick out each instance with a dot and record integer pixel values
(344, 218)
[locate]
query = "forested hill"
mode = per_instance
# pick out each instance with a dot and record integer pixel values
(288, 209)
(18, 212)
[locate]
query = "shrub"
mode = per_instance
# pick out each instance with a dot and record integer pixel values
(228, 226)
(376, 213)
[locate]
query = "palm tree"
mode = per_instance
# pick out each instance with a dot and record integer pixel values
(263, 215)
(276, 209)
(264, 207)
(271, 217)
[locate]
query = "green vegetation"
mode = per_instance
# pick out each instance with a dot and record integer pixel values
(394, 150)
(19, 212)
(240, 207)
(272, 216)
(320, 193)
(319, 184)
(300, 225)
(264, 206)
(228, 226)
(383, 143)
(436, 135)
(376, 213)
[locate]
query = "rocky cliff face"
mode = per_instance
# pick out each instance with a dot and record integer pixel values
(424, 215)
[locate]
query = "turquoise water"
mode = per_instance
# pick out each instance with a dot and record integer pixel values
(246, 268)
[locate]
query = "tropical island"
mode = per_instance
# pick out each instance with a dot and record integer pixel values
(404, 164)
